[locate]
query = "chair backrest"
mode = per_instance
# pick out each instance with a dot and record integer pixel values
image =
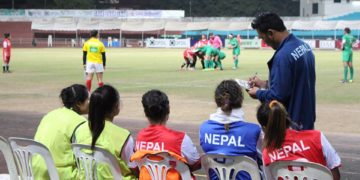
(9, 158)
(87, 161)
(158, 168)
(224, 166)
(299, 170)
(24, 150)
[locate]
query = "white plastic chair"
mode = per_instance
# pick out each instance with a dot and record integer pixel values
(88, 162)
(231, 164)
(299, 170)
(24, 150)
(9, 160)
(158, 168)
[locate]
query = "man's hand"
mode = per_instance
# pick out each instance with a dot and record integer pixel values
(252, 92)
(257, 82)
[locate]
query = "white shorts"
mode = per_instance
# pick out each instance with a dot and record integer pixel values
(94, 67)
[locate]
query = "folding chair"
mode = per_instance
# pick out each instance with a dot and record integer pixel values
(299, 170)
(158, 168)
(88, 162)
(224, 166)
(9, 160)
(24, 150)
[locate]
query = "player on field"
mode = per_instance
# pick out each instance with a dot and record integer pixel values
(215, 41)
(211, 56)
(203, 41)
(234, 45)
(6, 52)
(94, 59)
(190, 58)
(222, 56)
(347, 42)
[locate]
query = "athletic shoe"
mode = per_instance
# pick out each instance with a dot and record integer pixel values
(350, 81)
(234, 67)
(343, 81)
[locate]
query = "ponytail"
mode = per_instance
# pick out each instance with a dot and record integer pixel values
(274, 119)
(96, 117)
(103, 102)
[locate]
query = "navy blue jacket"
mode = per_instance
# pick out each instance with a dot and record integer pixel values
(292, 81)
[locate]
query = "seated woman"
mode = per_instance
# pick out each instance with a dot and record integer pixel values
(227, 132)
(101, 132)
(157, 137)
(282, 143)
(55, 132)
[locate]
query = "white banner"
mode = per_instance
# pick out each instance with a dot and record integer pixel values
(109, 13)
(168, 43)
(310, 42)
(247, 43)
(327, 44)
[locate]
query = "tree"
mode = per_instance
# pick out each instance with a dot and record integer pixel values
(74, 4)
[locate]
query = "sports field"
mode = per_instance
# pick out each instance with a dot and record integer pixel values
(38, 75)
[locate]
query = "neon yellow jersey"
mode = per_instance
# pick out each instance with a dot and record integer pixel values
(113, 139)
(55, 131)
(94, 47)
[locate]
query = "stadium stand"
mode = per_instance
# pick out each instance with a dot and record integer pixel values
(354, 16)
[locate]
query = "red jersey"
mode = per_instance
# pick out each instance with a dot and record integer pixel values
(188, 52)
(6, 44)
(159, 138)
(298, 145)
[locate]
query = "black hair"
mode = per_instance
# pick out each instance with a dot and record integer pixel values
(6, 35)
(347, 30)
(103, 101)
(275, 120)
(93, 33)
(268, 20)
(156, 105)
(210, 34)
(73, 95)
(229, 95)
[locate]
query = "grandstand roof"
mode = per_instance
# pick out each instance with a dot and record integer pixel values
(71, 24)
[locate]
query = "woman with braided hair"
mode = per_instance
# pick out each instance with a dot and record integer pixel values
(226, 131)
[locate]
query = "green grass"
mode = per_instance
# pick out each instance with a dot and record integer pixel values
(43, 72)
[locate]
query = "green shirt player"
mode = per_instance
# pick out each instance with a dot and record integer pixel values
(211, 55)
(235, 46)
(347, 42)
(221, 56)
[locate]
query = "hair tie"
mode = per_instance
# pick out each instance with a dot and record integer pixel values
(271, 104)
(73, 90)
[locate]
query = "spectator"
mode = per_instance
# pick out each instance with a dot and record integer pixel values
(100, 131)
(157, 137)
(56, 129)
(235, 136)
(284, 144)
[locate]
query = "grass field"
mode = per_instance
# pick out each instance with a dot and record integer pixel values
(39, 74)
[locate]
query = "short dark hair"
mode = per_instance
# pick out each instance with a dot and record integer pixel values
(228, 96)
(210, 34)
(93, 33)
(156, 105)
(268, 20)
(6, 35)
(347, 30)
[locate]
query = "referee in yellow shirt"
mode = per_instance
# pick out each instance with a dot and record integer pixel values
(94, 59)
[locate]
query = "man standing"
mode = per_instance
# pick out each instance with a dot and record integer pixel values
(94, 59)
(234, 45)
(6, 52)
(347, 42)
(215, 41)
(291, 72)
